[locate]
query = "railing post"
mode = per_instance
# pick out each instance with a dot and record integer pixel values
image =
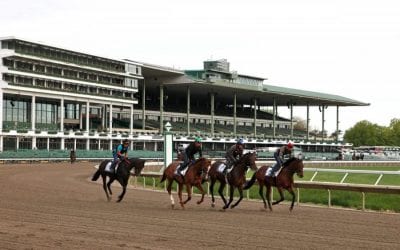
(298, 196)
(329, 198)
(154, 183)
(248, 194)
(144, 182)
(363, 201)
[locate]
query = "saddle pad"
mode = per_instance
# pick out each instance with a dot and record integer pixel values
(221, 167)
(108, 167)
(269, 172)
(183, 172)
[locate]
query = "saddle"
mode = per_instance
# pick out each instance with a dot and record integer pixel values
(268, 173)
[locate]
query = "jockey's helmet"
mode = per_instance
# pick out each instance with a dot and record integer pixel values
(240, 141)
(290, 144)
(197, 139)
(125, 142)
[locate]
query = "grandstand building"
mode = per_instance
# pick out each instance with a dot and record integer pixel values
(56, 99)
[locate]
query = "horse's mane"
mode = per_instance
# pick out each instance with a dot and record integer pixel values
(245, 155)
(287, 163)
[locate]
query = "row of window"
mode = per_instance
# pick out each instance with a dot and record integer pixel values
(69, 73)
(47, 113)
(10, 143)
(70, 87)
(62, 55)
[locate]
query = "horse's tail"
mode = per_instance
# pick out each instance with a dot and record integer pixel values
(164, 176)
(250, 182)
(96, 175)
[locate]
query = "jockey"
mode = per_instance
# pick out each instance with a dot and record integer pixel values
(233, 154)
(120, 152)
(188, 154)
(279, 155)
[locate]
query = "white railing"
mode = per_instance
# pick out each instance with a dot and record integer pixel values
(351, 171)
(363, 188)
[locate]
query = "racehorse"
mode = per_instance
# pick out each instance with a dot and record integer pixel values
(195, 176)
(236, 178)
(284, 180)
(122, 175)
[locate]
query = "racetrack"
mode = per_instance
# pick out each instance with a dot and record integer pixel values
(55, 206)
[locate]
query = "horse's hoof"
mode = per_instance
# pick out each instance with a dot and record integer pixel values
(213, 205)
(172, 206)
(232, 206)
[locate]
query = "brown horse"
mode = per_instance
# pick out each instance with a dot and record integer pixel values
(236, 178)
(283, 181)
(122, 175)
(195, 176)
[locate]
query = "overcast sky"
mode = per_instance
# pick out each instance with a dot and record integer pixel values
(344, 47)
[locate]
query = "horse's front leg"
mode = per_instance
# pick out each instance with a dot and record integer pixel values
(268, 195)
(212, 192)
(260, 192)
(240, 197)
(200, 187)
(189, 192)
(105, 187)
(109, 184)
(123, 183)
(169, 188)
(293, 198)
(231, 190)
(180, 187)
(280, 190)
(221, 192)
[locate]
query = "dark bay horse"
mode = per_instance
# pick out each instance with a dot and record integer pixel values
(283, 181)
(195, 176)
(236, 178)
(122, 175)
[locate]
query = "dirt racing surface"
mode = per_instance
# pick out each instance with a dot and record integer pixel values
(55, 206)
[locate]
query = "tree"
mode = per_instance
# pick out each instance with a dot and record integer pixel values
(300, 124)
(366, 133)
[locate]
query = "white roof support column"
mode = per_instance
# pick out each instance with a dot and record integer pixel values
(322, 110)
(337, 124)
(161, 109)
(234, 114)
(87, 115)
(274, 111)
(110, 119)
(144, 105)
(131, 120)
(308, 122)
(188, 111)
(291, 121)
(62, 114)
(255, 118)
(62, 110)
(33, 113)
(212, 97)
